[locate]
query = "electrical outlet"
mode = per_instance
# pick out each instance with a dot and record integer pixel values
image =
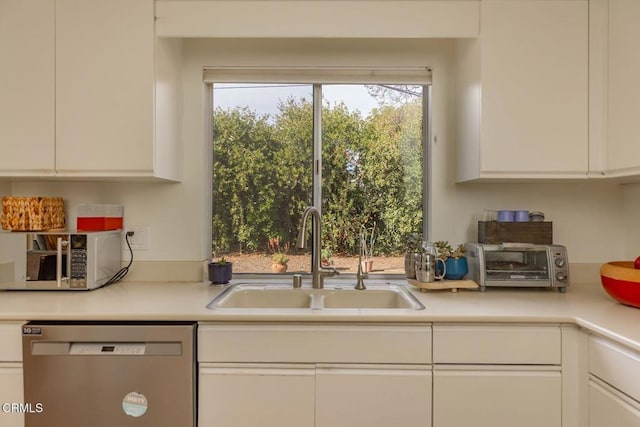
(140, 239)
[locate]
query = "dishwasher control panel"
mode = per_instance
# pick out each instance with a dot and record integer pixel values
(127, 349)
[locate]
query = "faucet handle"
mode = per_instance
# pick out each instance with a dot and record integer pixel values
(329, 271)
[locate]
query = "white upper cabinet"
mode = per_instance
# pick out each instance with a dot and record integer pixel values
(105, 78)
(523, 92)
(88, 91)
(27, 87)
(317, 19)
(623, 142)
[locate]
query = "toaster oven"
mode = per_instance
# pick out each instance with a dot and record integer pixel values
(518, 265)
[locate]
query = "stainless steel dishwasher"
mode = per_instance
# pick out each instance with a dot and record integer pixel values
(109, 374)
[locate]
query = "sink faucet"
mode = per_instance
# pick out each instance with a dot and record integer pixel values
(318, 272)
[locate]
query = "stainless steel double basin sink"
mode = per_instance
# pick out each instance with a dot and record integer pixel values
(259, 297)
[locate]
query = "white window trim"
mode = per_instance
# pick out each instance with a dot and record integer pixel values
(339, 75)
(319, 75)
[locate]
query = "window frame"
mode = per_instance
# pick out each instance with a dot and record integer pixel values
(326, 76)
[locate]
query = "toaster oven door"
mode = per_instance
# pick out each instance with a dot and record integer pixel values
(517, 267)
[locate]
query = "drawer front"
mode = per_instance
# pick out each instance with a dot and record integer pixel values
(607, 404)
(613, 364)
(497, 344)
(10, 342)
(494, 397)
(315, 343)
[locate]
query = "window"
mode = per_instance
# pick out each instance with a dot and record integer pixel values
(355, 149)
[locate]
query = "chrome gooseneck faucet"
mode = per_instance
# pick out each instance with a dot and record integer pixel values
(318, 272)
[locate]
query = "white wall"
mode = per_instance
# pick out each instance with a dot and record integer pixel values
(588, 216)
(632, 220)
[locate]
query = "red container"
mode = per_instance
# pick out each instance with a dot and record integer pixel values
(100, 217)
(622, 282)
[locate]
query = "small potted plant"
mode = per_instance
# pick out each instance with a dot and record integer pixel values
(279, 257)
(279, 263)
(454, 259)
(220, 271)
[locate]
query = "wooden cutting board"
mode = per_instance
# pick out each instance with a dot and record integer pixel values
(453, 285)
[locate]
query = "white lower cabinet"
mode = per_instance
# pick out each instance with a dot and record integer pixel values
(614, 390)
(497, 375)
(11, 393)
(255, 395)
(314, 395)
(610, 408)
(11, 389)
(373, 396)
(314, 375)
(496, 396)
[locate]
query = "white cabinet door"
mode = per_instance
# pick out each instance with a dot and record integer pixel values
(11, 393)
(373, 396)
(256, 395)
(529, 93)
(610, 408)
(534, 86)
(27, 87)
(623, 147)
(104, 87)
(496, 397)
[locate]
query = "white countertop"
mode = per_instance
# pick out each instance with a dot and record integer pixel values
(586, 305)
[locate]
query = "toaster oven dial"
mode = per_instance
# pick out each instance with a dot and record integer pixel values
(560, 262)
(561, 277)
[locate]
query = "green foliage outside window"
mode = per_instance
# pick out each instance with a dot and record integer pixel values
(372, 173)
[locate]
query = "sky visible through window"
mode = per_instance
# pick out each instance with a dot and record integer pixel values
(259, 97)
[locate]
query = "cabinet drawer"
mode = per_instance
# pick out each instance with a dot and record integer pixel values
(10, 342)
(607, 404)
(315, 343)
(497, 397)
(613, 364)
(497, 344)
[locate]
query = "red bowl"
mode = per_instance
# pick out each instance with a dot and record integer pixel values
(622, 282)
